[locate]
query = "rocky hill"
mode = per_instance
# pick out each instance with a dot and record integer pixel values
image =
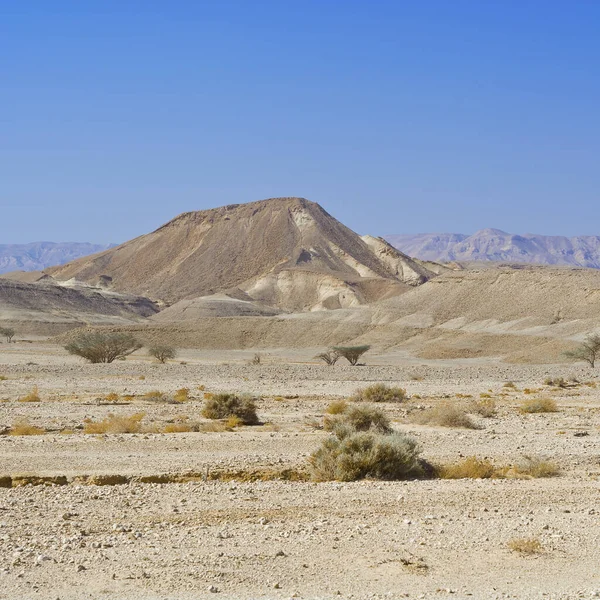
(496, 245)
(287, 253)
(40, 255)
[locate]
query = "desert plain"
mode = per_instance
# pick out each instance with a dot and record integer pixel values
(232, 514)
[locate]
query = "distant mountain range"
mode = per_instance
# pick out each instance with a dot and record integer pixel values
(497, 245)
(40, 255)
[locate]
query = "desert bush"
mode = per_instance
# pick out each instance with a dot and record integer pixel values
(587, 351)
(103, 347)
(23, 427)
(560, 382)
(337, 407)
(510, 385)
(351, 353)
(213, 427)
(112, 397)
(538, 405)
(330, 357)
(116, 424)
(446, 415)
(162, 353)
(532, 467)
(177, 428)
(358, 418)
(525, 545)
(182, 395)
(486, 407)
(469, 468)
(366, 454)
(155, 396)
(380, 392)
(8, 333)
(223, 406)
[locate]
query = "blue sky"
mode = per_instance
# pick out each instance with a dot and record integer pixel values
(396, 116)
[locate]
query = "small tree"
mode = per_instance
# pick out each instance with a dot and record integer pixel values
(162, 353)
(8, 333)
(351, 353)
(587, 351)
(329, 358)
(103, 347)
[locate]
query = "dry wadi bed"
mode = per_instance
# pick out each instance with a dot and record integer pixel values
(180, 515)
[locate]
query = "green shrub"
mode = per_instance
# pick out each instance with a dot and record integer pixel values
(102, 347)
(223, 406)
(358, 418)
(162, 353)
(446, 415)
(351, 353)
(380, 392)
(366, 454)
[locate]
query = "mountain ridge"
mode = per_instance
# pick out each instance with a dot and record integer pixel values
(495, 245)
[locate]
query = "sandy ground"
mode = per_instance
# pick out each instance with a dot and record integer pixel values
(283, 539)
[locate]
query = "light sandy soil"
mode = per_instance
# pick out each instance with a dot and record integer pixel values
(282, 539)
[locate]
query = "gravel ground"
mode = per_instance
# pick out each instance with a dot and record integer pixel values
(284, 539)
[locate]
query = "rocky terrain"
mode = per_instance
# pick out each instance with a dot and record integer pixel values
(214, 514)
(496, 245)
(37, 256)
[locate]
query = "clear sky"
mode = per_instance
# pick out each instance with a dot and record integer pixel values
(397, 116)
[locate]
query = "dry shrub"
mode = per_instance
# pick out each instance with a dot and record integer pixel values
(182, 395)
(116, 424)
(177, 428)
(366, 454)
(525, 545)
(379, 392)
(446, 415)
(477, 468)
(337, 407)
(23, 427)
(154, 396)
(469, 468)
(201, 388)
(531, 467)
(358, 419)
(485, 408)
(213, 427)
(463, 396)
(102, 346)
(112, 397)
(162, 353)
(33, 396)
(3, 377)
(510, 384)
(560, 382)
(223, 406)
(538, 405)
(208, 395)
(485, 395)
(233, 421)
(278, 398)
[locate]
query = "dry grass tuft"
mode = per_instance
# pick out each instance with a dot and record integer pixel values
(33, 396)
(213, 427)
(177, 428)
(485, 408)
(116, 424)
(526, 545)
(233, 421)
(470, 468)
(538, 405)
(380, 392)
(446, 415)
(337, 407)
(112, 397)
(154, 396)
(182, 395)
(358, 418)
(560, 382)
(510, 385)
(23, 427)
(477, 468)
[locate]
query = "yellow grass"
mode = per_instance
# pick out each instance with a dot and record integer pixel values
(116, 424)
(153, 396)
(33, 396)
(112, 397)
(177, 428)
(23, 427)
(446, 414)
(337, 407)
(538, 405)
(525, 545)
(182, 395)
(478, 468)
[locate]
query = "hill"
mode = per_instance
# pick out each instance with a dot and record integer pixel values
(44, 308)
(283, 252)
(496, 245)
(37, 256)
